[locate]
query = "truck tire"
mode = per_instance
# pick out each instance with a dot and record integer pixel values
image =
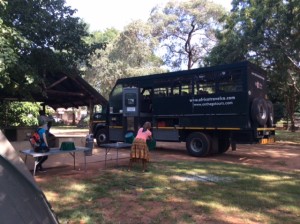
(198, 144)
(101, 137)
(259, 111)
(270, 120)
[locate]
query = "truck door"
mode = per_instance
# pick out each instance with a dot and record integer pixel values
(131, 109)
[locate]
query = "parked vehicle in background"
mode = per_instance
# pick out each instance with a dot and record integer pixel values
(208, 108)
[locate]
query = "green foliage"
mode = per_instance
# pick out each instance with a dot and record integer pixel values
(9, 37)
(102, 73)
(41, 37)
(129, 53)
(135, 45)
(185, 31)
(267, 33)
(102, 37)
(19, 114)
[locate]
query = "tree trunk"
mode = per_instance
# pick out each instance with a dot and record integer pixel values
(291, 102)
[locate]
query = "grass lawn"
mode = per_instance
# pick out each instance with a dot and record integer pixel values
(284, 135)
(177, 192)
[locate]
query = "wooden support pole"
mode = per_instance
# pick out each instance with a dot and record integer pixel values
(91, 107)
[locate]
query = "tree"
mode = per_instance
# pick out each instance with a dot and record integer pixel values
(185, 30)
(102, 72)
(135, 50)
(267, 33)
(19, 113)
(42, 37)
(135, 46)
(129, 53)
(9, 38)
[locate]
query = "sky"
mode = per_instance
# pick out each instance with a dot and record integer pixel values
(103, 14)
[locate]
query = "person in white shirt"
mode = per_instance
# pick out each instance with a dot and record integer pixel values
(44, 120)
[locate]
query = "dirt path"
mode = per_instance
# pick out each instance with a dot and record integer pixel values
(279, 156)
(283, 157)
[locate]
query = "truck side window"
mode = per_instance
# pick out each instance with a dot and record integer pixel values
(117, 90)
(146, 102)
(130, 100)
(160, 92)
(187, 88)
(230, 81)
(205, 88)
(205, 83)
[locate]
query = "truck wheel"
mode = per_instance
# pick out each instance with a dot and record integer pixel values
(259, 111)
(270, 120)
(198, 144)
(224, 144)
(101, 137)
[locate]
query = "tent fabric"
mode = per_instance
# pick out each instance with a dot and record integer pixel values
(21, 200)
(7, 151)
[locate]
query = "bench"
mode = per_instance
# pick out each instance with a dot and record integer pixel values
(54, 151)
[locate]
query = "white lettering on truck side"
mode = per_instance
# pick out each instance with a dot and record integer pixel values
(213, 101)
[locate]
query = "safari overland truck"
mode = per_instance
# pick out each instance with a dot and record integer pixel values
(208, 108)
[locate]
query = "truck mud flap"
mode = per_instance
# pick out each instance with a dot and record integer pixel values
(267, 140)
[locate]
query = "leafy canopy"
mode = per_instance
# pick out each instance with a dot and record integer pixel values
(128, 53)
(40, 38)
(185, 30)
(267, 33)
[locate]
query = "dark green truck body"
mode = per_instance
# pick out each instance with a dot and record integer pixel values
(208, 108)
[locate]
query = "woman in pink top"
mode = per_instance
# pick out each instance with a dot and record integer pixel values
(139, 148)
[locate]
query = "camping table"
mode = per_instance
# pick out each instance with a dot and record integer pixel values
(117, 146)
(54, 151)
